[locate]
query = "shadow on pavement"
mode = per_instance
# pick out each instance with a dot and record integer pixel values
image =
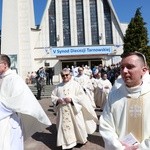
(96, 140)
(49, 139)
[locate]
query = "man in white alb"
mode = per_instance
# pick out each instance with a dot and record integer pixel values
(86, 84)
(124, 123)
(21, 115)
(103, 88)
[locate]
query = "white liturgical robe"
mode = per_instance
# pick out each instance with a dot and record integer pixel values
(19, 110)
(87, 85)
(102, 91)
(127, 110)
(74, 121)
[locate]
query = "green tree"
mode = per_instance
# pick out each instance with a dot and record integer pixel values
(147, 55)
(136, 37)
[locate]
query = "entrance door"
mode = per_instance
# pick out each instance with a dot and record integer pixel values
(81, 63)
(67, 64)
(95, 63)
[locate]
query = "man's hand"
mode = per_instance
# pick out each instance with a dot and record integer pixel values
(130, 147)
(68, 100)
(61, 101)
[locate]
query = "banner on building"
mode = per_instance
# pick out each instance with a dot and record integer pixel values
(61, 51)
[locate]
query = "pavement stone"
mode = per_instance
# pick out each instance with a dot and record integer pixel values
(46, 140)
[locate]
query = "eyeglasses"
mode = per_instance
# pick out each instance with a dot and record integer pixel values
(65, 75)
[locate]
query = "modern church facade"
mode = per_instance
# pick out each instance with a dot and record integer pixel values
(72, 32)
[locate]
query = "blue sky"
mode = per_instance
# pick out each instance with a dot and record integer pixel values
(125, 10)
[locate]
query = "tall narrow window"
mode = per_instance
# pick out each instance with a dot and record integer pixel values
(66, 22)
(80, 22)
(94, 22)
(108, 25)
(52, 24)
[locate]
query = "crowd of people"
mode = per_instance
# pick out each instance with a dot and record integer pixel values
(75, 100)
(122, 93)
(47, 73)
(124, 100)
(96, 82)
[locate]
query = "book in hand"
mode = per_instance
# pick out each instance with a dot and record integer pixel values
(129, 139)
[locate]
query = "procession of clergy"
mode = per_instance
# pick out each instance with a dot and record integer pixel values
(95, 84)
(124, 102)
(21, 114)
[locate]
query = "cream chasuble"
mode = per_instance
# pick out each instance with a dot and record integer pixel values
(73, 119)
(67, 125)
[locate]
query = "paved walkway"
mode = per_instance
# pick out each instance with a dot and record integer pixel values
(47, 139)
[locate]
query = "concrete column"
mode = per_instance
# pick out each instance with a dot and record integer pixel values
(87, 22)
(73, 22)
(17, 21)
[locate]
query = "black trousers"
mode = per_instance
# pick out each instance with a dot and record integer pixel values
(39, 90)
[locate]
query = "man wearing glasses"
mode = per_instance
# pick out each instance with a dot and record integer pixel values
(124, 123)
(76, 118)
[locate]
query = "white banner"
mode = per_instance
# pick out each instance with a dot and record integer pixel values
(61, 51)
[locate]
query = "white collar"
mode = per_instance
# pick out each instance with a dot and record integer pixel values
(9, 71)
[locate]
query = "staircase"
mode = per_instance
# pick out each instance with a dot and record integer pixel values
(46, 92)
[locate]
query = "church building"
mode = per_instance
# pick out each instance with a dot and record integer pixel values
(72, 32)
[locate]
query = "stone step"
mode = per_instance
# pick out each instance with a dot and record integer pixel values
(46, 92)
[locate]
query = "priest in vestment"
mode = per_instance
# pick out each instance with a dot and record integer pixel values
(97, 87)
(103, 88)
(125, 121)
(86, 84)
(21, 115)
(76, 117)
